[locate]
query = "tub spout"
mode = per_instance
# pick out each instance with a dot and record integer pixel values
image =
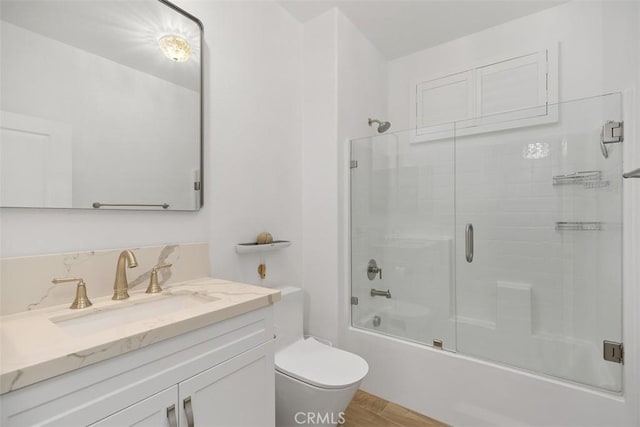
(378, 293)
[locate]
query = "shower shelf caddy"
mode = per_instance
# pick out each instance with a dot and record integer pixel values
(590, 179)
(579, 226)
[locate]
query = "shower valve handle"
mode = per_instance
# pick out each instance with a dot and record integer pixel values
(373, 270)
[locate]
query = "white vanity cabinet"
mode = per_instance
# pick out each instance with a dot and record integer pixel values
(239, 392)
(218, 375)
(159, 410)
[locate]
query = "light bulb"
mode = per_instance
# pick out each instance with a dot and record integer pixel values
(175, 48)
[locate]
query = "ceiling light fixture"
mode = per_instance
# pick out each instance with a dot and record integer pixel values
(175, 48)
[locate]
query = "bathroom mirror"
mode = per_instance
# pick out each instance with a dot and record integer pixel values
(101, 105)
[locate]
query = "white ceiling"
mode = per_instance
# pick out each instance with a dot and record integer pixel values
(400, 27)
(126, 32)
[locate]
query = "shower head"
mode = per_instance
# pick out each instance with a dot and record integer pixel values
(382, 126)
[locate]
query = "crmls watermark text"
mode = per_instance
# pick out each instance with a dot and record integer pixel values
(312, 418)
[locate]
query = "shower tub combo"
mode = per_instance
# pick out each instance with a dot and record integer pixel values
(500, 244)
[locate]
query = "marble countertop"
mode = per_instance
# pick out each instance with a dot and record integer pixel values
(34, 348)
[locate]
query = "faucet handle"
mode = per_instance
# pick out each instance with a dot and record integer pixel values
(81, 300)
(154, 287)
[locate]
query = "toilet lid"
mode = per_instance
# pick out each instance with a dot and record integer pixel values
(320, 365)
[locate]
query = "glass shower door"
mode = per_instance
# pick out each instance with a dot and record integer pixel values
(539, 244)
(402, 236)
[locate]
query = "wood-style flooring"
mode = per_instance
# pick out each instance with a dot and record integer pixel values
(367, 410)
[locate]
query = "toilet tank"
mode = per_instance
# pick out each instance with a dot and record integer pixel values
(288, 316)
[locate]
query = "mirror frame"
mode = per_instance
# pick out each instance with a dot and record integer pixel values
(201, 57)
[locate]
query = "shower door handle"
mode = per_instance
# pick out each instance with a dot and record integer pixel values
(468, 242)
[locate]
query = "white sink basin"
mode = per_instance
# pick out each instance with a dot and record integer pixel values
(124, 313)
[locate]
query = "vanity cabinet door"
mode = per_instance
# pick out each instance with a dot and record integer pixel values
(238, 392)
(159, 410)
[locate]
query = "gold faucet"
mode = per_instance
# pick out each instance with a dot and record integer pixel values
(154, 286)
(81, 300)
(121, 286)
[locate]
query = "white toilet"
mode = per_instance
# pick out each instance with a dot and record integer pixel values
(314, 382)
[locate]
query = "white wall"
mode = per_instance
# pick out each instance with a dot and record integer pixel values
(253, 120)
(252, 157)
(591, 35)
(344, 84)
(320, 174)
(362, 74)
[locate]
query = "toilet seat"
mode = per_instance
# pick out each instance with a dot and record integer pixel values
(320, 365)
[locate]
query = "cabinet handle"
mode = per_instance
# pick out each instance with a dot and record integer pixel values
(189, 411)
(171, 416)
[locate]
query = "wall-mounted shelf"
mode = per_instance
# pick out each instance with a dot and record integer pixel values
(590, 179)
(579, 226)
(249, 248)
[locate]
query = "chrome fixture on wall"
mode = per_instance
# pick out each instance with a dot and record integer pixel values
(373, 270)
(632, 174)
(612, 132)
(382, 126)
(380, 293)
(376, 321)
